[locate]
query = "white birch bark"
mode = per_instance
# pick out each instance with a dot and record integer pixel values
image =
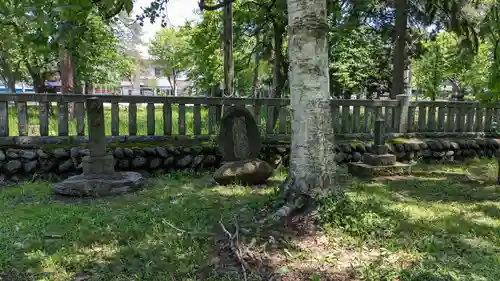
(312, 164)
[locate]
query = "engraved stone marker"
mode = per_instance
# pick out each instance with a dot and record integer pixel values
(240, 143)
(239, 137)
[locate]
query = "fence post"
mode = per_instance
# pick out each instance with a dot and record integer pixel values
(402, 113)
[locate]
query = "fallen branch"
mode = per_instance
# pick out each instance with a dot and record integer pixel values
(185, 231)
(235, 248)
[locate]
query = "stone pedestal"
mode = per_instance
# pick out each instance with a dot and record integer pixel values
(99, 178)
(380, 163)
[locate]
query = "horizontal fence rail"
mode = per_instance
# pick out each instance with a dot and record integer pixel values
(65, 115)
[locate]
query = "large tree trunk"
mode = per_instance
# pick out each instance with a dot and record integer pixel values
(399, 54)
(312, 165)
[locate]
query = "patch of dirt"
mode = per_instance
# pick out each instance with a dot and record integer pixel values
(294, 251)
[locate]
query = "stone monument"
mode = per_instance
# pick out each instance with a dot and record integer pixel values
(240, 143)
(99, 177)
(380, 162)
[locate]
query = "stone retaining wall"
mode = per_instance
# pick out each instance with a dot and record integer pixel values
(57, 163)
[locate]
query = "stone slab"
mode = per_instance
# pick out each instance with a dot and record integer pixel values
(362, 170)
(99, 186)
(379, 160)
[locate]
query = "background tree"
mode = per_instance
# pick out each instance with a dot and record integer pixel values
(169, 51)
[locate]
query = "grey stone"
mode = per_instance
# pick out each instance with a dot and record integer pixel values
(66, 165)
(281, 149)
(275, 160)
(13, 166)
(155, 163)
(239, 136)
(139, 152)
(11, 154)
(28, 155)
(128, 152)
(169, 162)
(379, 159)
(139, 162)
(356, 157)
(60, 153)
(124, 164)
(118, 152)
(209, 161)
(84, 152)
(248, 172)
(3, 157)
(97, 186)
(197, 160)
(184, 161)
(47, 165)
(162, 152)
(196, 150)
(42, 154)
(74, 152)
(380, 149)
(450, 153)
(30, 166)
(345, 148)
(158, 172)
(173, 151)
(151, 151)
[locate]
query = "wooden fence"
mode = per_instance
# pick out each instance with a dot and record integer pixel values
(196, 116)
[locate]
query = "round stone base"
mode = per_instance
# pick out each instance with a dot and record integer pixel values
(99, 186)
(246, 172)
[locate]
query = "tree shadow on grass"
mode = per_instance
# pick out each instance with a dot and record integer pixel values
(451, 229)
(160, 233)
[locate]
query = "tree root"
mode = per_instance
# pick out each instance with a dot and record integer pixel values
(233, 239)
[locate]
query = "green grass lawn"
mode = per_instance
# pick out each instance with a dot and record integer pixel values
(442, 224)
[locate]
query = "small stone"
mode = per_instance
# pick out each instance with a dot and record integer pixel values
(423, 145)
(356, 157)
(12, 154)
(128, 152)
(30, 166)
(162, 152)
(60, 153)
(84, 152)
(28, 155)
(139, 152)
(454, 145)
(42, 154)
(124, 164)
(169, 162)
(196, 150)
(151, 151)
(450, 153)
(47, 165)
(184, 161)
(155, 163)
(13, 166)
(66, 165)
(74, 152)
(197, 160)
(345, 148)
(2, 156)
(275, 160)
(173, 151)
(209, 161)
(158, 172)
(281, 149)
(118, 152)
(243, 172)
(139, 162)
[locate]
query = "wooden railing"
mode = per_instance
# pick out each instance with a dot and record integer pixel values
(199, 116)
(452, 116)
